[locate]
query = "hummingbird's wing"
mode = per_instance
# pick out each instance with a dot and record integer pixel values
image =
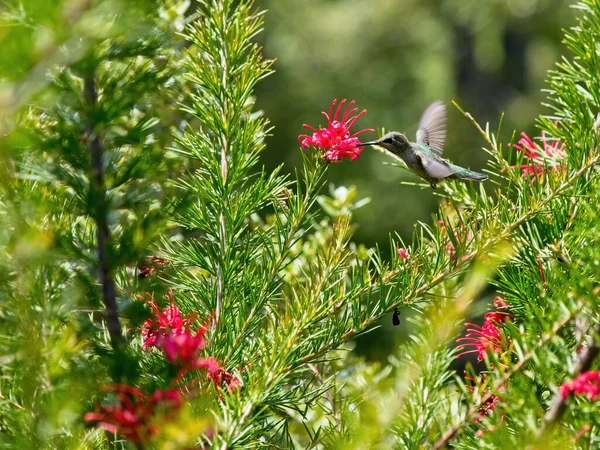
(432, 128)
(434, 167)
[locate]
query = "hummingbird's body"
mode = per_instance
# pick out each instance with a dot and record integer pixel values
(424, 158)
(424, 162)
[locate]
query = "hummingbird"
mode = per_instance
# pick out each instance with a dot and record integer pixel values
(424, 158)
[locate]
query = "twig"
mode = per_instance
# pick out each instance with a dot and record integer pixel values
(474, 409)
(102, 231)
(224, 170)
(330, 397)
(559, 405)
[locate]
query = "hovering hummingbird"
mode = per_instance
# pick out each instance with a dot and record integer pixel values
(424, 157)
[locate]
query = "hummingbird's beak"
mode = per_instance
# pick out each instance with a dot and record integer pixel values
(364, 144)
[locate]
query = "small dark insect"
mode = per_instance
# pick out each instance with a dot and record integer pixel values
(396, 318)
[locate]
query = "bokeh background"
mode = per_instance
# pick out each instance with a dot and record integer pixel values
(394, 57)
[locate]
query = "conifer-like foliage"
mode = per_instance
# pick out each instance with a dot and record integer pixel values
(131, 168)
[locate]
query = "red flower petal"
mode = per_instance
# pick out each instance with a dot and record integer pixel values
(487, 337)
(336, 140)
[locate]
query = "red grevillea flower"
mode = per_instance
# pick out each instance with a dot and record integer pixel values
(218, 375)
(169, 331)
(166, 321)
(402, 253)
(550, 154)
(490, 403)
(182, 348)
(132, 416)
(487, 337)
(587, 383)
(498, 316)
(336, 141)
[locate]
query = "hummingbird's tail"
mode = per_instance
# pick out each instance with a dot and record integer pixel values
(469, 175)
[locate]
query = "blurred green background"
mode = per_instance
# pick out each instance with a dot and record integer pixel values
(394, 57)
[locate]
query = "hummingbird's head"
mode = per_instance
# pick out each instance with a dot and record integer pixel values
(392, 141)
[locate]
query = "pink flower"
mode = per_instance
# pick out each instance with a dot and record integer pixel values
(587, 383)
(487, 337)
(480, 385)
(132, 415)
(488, 406)
(164, 322)
(169, 331)
(499, 302)
(402, 253)
(549, 154)
(498, 316)
(182, 348)
(171, 395)
(336, 140)
(218, 375)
